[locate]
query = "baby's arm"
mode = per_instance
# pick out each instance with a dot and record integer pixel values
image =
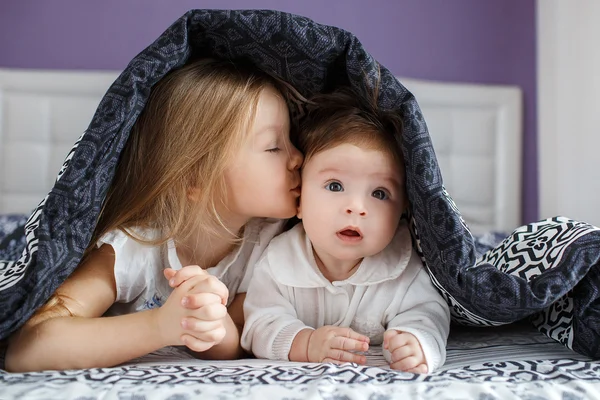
(418, 332)
(83, 340)
(271, 321)
(274, 331)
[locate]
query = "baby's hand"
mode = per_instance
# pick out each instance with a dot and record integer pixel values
(335, 344)
(194, 314)
(405, 352)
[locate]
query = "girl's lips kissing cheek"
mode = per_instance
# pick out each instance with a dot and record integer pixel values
(296, 190)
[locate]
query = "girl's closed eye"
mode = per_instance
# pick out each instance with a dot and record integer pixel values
(380, 194)
(334, 186)
(274, 150)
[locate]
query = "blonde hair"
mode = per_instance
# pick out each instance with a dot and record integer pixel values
(193, 124)
(195, 120)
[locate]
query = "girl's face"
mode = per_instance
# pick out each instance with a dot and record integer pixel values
(264, 178)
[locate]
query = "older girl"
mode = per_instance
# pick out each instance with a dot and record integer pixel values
(206, 176)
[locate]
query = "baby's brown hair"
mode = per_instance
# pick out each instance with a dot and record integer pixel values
(342, 116)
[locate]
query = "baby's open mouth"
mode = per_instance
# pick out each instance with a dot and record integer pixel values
(349, 234)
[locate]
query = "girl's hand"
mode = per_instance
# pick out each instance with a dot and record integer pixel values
(194, 314)
(406, 352)
(210, 284)
(335, 344)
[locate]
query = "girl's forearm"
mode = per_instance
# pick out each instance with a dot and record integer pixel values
(77, 342)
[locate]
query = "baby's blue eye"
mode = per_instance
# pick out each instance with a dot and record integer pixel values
(334, 187)
(380, 194)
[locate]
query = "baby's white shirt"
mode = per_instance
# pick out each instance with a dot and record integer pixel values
(390, 290)
(139, 267)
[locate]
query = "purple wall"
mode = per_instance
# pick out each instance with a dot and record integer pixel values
(460, 40)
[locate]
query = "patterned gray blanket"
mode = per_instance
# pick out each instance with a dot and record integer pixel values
(546, 271)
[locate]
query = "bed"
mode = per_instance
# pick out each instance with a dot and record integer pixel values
(477, 134)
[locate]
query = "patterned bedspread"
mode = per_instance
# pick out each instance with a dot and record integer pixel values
(507, 362)
(514, 361)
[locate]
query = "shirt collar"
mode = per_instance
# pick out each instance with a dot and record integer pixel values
(292, 261)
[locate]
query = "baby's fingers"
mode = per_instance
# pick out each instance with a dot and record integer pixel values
(340, 356)
(389, 336)
(419, 369)
(402, 352)
(406, 364)
(348, 344)
(351, 334)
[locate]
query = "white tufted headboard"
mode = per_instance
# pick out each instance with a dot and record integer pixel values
(42, 113)
(477, 135)
(476, 131)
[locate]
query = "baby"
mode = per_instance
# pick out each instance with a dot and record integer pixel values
(347, 277)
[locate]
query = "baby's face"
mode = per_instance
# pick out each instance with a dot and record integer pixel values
(352, 199)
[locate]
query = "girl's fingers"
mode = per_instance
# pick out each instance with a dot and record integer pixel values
(195, 326)
(346, 343)
(194, 344)
(183, 274)
(169, 273)
(210, 312)
(208, 284)
(214, 336)
(196, 300)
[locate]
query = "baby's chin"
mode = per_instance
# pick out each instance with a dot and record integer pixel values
(345, 255)
(351, 254)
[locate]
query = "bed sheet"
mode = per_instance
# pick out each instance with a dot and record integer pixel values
(514, 361)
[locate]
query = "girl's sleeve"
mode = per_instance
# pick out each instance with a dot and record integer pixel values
(423, 312)
(129, 278)
(271, 320)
